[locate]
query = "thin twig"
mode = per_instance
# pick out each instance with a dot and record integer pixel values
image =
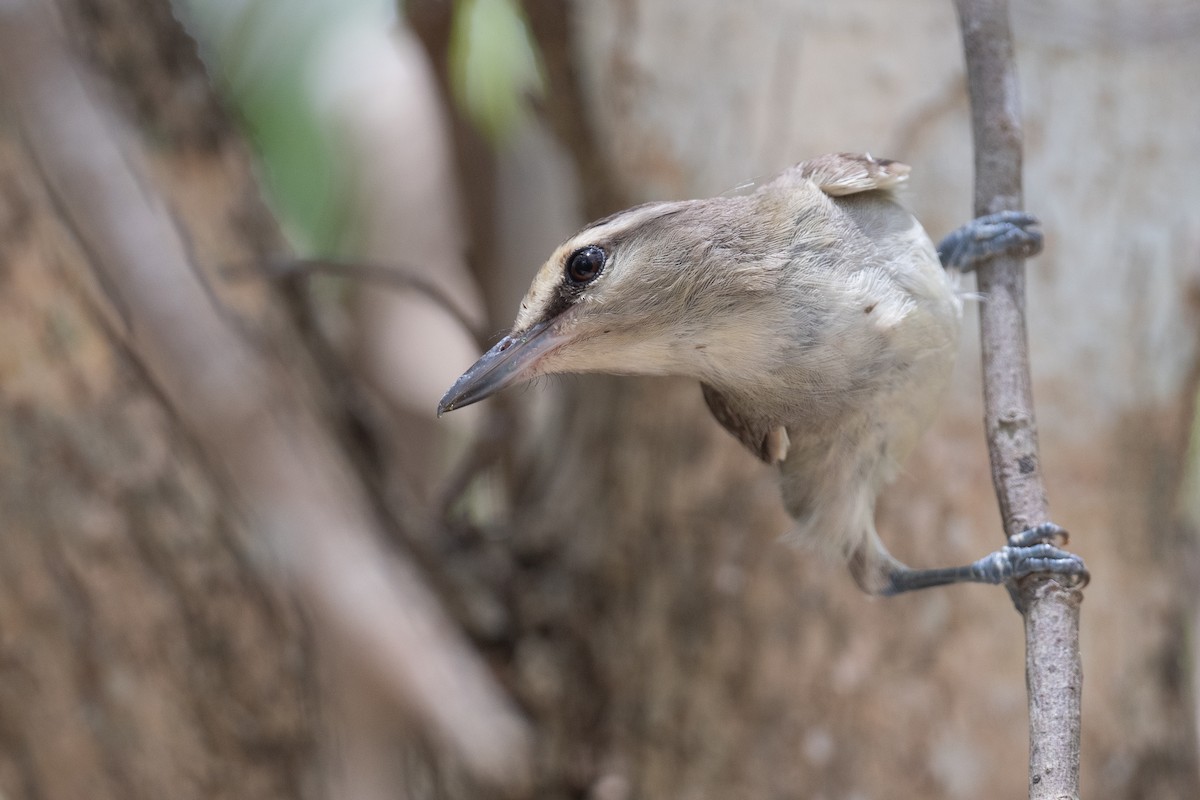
(250, 413)
(1053, 671)
(493, 437)
(394, 276)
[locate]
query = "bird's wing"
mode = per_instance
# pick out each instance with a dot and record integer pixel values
(768, 442)
(840, 174)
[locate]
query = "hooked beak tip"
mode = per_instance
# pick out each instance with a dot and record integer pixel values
(451, 400)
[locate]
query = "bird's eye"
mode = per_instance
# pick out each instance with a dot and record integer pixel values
(585, 264)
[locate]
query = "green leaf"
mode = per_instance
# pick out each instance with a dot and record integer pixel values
(495, 67)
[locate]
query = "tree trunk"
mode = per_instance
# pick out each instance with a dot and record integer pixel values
(143, 655)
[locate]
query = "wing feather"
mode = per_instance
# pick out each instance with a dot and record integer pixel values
(767, 441)
(839, 174)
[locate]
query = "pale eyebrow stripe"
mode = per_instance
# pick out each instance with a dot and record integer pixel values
(622, 221)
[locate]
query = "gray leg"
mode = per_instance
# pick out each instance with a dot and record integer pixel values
(1005, 233)
(1034, 550)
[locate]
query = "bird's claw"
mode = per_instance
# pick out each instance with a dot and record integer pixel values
(1046, 533)
(1012, 233)
(1033, 551)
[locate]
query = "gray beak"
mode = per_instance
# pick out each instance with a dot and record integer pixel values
(510, 361)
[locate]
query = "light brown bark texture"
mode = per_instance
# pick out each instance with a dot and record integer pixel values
(242, 390)
(142, 654)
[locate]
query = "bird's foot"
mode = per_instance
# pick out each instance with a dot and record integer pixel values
(1036, 550)
(1011, 233)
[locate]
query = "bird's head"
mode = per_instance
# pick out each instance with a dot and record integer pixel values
(647, 291)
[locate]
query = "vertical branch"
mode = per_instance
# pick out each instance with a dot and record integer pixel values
(1053, 672)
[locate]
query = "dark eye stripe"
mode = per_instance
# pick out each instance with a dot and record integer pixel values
(568, 290)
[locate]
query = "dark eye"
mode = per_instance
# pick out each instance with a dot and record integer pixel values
(585, 264)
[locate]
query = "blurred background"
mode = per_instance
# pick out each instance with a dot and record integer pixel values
(240, 558)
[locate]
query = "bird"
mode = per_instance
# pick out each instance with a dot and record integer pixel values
(822, 325)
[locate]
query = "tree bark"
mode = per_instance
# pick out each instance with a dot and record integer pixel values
(263, 430)
(143, 653)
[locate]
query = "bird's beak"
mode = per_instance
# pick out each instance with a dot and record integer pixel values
(511, 360)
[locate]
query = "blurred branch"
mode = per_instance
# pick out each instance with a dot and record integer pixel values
(493, 439)
(252, 417)
(396, 277)
(1054, 674)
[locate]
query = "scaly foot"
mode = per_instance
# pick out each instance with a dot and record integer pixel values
(1006, 233)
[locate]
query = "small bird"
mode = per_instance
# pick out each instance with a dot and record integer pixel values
(819, 319)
